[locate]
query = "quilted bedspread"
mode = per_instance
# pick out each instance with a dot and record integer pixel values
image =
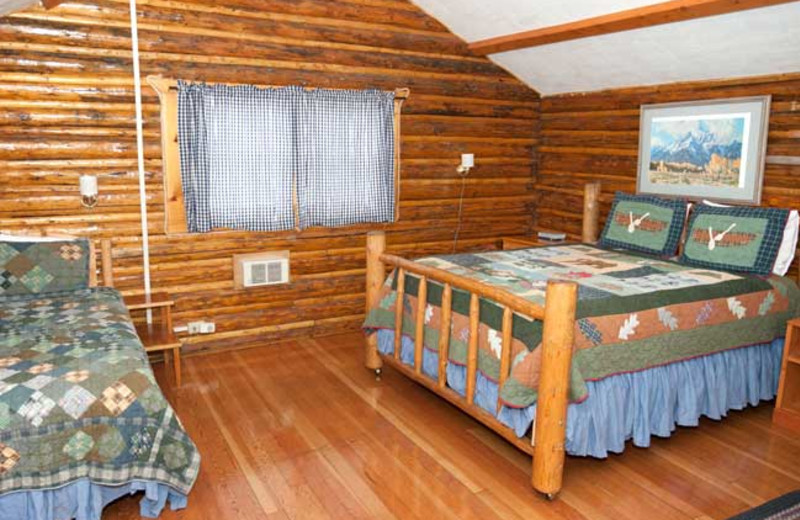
(634, 312)
(78, 398)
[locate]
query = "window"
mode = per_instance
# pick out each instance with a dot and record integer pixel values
(270, 159)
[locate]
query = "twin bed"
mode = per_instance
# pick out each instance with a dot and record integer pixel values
(82, 419)
(579, 348)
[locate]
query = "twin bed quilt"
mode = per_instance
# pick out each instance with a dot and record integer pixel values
(78, 398)
(634, 312)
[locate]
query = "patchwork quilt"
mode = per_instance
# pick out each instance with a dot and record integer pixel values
(634, 312)
(78, 398)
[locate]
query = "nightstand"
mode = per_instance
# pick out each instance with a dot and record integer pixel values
(158, 336)
(787, 406)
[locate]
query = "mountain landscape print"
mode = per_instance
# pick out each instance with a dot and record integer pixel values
(698, 150)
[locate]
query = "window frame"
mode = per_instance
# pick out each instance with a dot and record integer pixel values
(174, 208)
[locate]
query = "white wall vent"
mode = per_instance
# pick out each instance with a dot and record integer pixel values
(260, 269)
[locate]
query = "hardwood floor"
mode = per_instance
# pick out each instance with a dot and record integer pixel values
(301, 430)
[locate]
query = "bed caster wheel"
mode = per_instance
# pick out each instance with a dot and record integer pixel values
(377, 374)
(550, 496)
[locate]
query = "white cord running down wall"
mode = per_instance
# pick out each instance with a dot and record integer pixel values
(467, 163)
(137, 84)
(460, 208)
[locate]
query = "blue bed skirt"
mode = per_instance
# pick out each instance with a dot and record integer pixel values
(85, 500)
(633, 406)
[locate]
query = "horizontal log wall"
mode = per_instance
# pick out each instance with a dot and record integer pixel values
(66, 108)
(595, 136)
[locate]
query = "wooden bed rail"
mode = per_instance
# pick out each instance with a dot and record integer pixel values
(557, 343)
(517, 304)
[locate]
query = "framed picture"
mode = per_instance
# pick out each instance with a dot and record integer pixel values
(705, 149)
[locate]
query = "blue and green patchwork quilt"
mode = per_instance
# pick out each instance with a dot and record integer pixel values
(78, 398)
(634, 312)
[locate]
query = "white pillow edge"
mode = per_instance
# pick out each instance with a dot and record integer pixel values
(788, 248)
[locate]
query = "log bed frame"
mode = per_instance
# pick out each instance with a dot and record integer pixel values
(558, 316)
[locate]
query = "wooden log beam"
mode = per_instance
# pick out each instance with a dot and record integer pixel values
(637, 18)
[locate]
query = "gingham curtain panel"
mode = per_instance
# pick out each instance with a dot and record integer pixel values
(346, 151)
(243, 148)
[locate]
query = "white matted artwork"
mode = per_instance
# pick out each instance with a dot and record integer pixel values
(704, 149)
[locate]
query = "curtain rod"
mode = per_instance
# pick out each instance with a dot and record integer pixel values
(162, 84)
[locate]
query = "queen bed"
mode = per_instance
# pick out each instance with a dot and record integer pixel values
(82, 419)
(579, 348)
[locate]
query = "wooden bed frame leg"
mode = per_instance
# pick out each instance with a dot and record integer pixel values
(591, 213)
(376, 245)
(551, 410)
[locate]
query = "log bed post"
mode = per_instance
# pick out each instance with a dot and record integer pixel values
(591, 213)
(105, 263)
(551, 410)
(376, 245)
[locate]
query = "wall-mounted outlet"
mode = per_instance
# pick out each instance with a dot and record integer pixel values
(201, 327)
(207, 327)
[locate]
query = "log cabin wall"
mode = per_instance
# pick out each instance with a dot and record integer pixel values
(67, 108)
(595, 136)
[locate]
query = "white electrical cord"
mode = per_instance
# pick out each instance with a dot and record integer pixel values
(137, 85)
(463, 175)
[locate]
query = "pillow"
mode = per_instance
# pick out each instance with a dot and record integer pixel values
(739, 239)
(644, 223)
(788, 247)
(35, 267)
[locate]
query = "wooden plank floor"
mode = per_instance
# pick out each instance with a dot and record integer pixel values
(301, 430)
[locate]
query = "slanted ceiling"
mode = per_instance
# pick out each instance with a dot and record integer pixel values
(10, 6)
(746, 43)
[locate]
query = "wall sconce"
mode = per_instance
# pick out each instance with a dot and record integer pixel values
(467, 163)
(89, 190)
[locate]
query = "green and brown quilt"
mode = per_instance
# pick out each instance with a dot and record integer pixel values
(78, 398)
(634, 312)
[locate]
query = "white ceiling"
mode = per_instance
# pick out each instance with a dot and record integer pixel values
(10, 6)
(747, 43)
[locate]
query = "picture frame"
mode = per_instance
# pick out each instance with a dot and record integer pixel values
(710, 149)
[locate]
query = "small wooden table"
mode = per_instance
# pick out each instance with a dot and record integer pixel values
(158, 336)
(787, 407)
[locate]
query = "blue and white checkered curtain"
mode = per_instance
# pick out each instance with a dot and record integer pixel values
(244, 149)
(346, 150)
(238, 156)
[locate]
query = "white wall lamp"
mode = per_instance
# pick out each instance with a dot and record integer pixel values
(89, 187)
(467, 163)
(89, 190)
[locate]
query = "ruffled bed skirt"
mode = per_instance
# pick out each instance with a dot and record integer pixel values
(85, 500)
(633, 406)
